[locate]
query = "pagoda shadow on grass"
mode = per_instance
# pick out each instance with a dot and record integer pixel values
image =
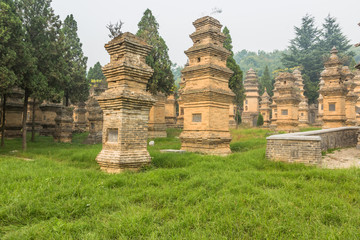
(206, 97)
(125, 105)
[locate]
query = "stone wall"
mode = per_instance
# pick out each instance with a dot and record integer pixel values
(306, 147)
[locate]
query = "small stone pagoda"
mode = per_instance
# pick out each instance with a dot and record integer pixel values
(356, 80)
(80, 117)
(126, 105)
(303, 106)
(48, 110)
(251, 102)
(157, 123)
(170, 111)
(232, 113)
(14, 112)
(273, 107)
(334, 93)
(34, 111)
(319, 119)
(206, 96)
(287, 101)
(94, 116)
(180, 117)
(64, 125)
(351, 97)
(265, 108)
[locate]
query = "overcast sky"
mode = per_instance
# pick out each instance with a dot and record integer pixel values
(253, 24)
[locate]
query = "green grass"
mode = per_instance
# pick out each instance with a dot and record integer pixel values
(62, 194)
(309, 129)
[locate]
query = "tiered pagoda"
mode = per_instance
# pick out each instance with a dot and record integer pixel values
(251, 102)
(206, 97)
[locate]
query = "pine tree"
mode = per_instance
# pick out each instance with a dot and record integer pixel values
(260, 120)
(95, 75)
(14, 55)
(304, 51)
(235, 81)
(266, 82)
(158, 59)
(331, 35)
(43, 36)
(75, 84)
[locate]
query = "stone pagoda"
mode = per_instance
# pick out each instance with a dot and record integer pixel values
(94, 116)
(14, 113)
(126, 105)
(303, 106)
(251, 102)
(334, 93)
(206, 96)
(170, 111)
(180, 117)
(265, 108)
(319, 119)
(157, 123)
(232, 114)
(287, 101)
(48, 110)
(64, 125)
(273, 107)
(351, 97)
(80, 117)
(356, 80)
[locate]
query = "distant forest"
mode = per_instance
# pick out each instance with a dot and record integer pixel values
(258, 61)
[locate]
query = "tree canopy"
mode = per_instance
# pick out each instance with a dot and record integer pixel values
(158, 59)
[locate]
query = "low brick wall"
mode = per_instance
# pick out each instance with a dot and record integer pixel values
(306, 147)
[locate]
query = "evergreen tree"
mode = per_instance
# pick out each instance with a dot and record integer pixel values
(75, 84)
(260, 120)
(304, 51)
(266, 82)
(95, 75)
(14, 55)
(331, 36)
(43, 35)
(235, 81)
(162, 80)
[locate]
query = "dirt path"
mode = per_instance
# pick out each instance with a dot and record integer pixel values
(343, 158)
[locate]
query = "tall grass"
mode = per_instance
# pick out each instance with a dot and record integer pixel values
(62, 194)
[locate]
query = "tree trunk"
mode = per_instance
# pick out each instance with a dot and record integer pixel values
(3, 120)
(66, 101)
(26, 100)
(33, 122)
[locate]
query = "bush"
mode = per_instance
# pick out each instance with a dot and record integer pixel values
(260, 120)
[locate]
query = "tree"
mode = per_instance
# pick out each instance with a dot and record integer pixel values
(158, 59)
(235, 81)
(266, 82)
(95, 75)
(304, 51)
(331, 35)
(115, 29)
(75, 83)
(46, 44)
(14, 55)
(260, 120)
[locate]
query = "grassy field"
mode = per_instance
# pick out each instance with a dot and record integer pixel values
(56, 191)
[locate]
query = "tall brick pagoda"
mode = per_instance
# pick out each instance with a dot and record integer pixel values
(251, 102)
(206, 96)
(125, 105)
(334, 93)
(287, 101)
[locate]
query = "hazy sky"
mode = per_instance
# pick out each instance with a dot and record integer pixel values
(253, 24)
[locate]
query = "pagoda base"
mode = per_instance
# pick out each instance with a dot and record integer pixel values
(332, 123)
(288, 126)
(249, 119)
(114, 161)
(157, 130)
(47, 129)
(94, 138)
(232, 124)
(170, 122)
(210, 143)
